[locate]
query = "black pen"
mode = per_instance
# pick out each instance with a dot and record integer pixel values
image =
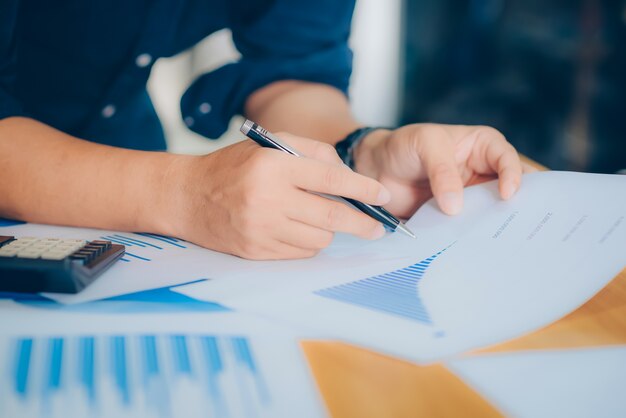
(265, 139)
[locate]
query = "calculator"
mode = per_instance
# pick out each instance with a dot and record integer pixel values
(30, 264)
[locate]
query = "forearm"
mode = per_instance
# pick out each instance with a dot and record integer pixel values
(51, 177)
(311, 110)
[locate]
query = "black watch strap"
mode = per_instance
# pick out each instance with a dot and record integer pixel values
(345, 148)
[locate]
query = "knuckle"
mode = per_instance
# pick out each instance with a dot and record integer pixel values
(371, 189)
(259, 161)
(333, 179)
(324, 240)
(441, 170)
(335, 216)
(326, 152)
(490, 131)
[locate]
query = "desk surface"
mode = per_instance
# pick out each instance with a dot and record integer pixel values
(359, 383)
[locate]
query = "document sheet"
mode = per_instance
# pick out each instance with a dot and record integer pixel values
(496, 272)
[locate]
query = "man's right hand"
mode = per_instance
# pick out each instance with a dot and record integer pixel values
(257, 203)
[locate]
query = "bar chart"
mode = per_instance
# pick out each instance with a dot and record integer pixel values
(395, 293)
(160, 375)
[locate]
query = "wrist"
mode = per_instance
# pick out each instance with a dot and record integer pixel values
(168, 180)
(367, 153)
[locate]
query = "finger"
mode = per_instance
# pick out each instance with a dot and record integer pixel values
(330, 215)
(301, 235)
(502, 159)
(284, 251)
(316, 176)
(437, 156)
(312, 149)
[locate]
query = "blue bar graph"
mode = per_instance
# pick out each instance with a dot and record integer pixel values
(143, 374)
(143, 240)
(395, 293)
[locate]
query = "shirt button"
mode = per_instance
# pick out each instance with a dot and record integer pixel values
(143, 60)
(189, 121)
(108, 111)
(204, 108)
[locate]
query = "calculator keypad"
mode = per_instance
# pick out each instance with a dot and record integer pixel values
(43, 248)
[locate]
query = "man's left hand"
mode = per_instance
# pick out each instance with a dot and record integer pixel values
(416, 162)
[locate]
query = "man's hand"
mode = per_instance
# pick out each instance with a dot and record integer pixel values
(256, 203)
(418, 161)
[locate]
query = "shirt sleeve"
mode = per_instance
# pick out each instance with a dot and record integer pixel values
(293, 40)
(9, 105)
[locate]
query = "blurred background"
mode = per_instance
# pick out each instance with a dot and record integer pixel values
(549, 74)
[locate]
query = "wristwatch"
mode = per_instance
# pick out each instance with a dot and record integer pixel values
(345, 148)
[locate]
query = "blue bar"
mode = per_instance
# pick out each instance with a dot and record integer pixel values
(87, 360)
(118, 363)
(55, 362)
(212, 354)
(157, 236)
(181, 354)
(214, 368)
(117, 241)
(24, 349)
(171, 241)
(136, 256)
(150, 359)
(376, 288)
(125, 241)
(243, 353)
(138, 242)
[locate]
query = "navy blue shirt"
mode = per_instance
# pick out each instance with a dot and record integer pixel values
(82, 66)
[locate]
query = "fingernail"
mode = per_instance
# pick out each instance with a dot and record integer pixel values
(379, 232)
(508, 190)
(384, 196)
(451, 203)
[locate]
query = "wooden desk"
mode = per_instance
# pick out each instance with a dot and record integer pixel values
(357, 383)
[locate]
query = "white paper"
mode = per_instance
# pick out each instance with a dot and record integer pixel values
(571, 383)
(557, 243)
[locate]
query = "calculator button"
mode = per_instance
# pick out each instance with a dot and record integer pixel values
(28, 253)
(17, 245)
(74, 241)
(8, 252)
(25, 241)
(65, 252)
(39, 247)
(100, 242)
(52, 255)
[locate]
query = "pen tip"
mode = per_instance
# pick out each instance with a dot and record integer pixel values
(407, 231)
